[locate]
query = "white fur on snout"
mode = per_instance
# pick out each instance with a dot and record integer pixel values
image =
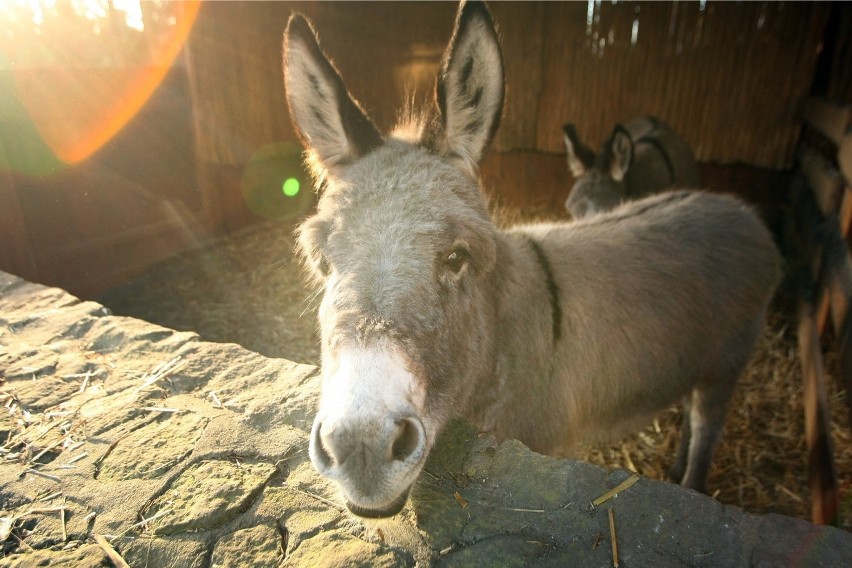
(363, 383)
(365, 392)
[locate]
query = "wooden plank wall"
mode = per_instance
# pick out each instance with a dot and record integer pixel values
(727, 78)
(706, 72)
(732, 78)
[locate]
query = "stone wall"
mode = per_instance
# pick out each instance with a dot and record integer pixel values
(185, 453)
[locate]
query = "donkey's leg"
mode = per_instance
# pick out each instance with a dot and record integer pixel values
(709, 404)
(679, 467)
(708, 408)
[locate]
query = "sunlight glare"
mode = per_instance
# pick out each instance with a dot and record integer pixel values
(38, 16)
(82, 69)
(132, 13)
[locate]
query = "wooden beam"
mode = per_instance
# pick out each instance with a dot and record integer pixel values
(827, 186)
(828, 302)
(844, 216)
(830, 119)
(825, 181)
(844, 158)
(831, 261)
(817, 259)
(822, 476)
(837, 289)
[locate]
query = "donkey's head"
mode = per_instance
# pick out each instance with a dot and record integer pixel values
(599, 184)
(405, 248)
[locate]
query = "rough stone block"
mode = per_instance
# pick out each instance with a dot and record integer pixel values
(255, 547)
(208, 494)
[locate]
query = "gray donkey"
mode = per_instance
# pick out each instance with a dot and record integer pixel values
(642, 157)
(549, 333)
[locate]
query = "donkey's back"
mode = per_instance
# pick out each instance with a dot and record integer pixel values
(661, 299)
(662, 159)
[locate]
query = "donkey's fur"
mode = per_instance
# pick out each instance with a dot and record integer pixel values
(548, 333)
(642, 157)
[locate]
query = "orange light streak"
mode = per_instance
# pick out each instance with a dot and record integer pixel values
(77, 111)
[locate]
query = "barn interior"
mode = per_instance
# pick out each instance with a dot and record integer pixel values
(147, 161)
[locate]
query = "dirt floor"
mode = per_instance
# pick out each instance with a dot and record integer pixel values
(249, 289)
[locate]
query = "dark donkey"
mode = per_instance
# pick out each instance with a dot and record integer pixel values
(548, 333)
(642, 157)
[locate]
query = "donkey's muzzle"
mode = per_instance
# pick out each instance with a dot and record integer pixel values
(375, 461)
(337, 445)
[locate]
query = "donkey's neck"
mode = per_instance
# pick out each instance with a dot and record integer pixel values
(527, 333)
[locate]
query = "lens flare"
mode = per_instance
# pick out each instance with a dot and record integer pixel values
(291, 187)
(264, 192)
(75, 103)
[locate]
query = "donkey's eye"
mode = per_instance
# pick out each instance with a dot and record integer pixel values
(456, 260)
(323, 266)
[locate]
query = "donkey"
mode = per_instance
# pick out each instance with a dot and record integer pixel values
(549, 333)
(642, 157)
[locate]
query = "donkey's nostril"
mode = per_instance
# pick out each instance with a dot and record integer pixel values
(321, 445)
(408, 438)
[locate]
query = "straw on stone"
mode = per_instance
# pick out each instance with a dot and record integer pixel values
(323, 500)
(154, 517)
(113, 556)
(462, 501)
(43, 510)
(216, 402)
(614, 540)
(85, 382)
(77, 458)
(161, 371)
(62, 518)
(616, 490)
(42, 474)
(50, 447)
(59, 413)
(51, 496)
(36, 438)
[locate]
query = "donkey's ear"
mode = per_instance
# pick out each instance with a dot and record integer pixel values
(328, 120)
(580, 158)
(469, 90)
(621, 151)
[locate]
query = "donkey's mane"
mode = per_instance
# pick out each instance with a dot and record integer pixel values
(412, 119)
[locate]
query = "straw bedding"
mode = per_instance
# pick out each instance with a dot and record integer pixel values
(249, 289)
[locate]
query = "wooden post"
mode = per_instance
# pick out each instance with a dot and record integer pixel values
(836, 291)
(817, 263)
(844, 157)
(832, 262)
(822, 476)
(831, 120)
